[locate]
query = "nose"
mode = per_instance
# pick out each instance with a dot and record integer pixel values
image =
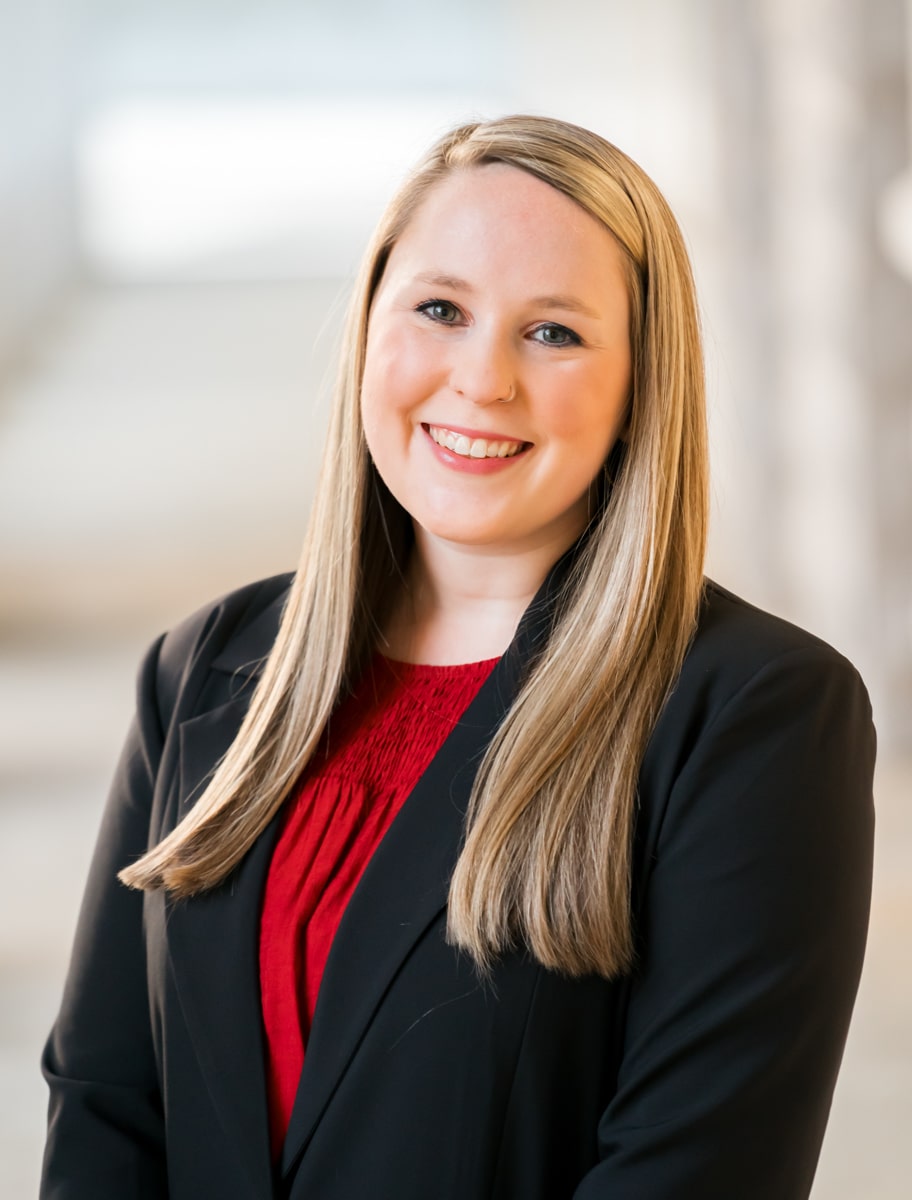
(482, 368)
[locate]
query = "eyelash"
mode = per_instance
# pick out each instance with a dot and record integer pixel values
(573, 339)
(425, 310)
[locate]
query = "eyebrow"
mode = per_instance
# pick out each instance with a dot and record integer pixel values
(440, 279)
(453, 282)
(568, 303)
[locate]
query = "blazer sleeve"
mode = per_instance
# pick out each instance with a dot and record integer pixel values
(105, 1121)
(752, 929)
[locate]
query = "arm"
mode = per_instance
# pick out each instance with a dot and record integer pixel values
(752, 927)
(105, 1122)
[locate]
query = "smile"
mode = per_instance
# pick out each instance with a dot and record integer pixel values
(467, 447)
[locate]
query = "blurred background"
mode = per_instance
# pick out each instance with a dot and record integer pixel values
(185, 189)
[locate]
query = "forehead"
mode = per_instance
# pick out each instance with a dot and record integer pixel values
(494, 218)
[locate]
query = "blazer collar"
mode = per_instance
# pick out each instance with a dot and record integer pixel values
(248, 649)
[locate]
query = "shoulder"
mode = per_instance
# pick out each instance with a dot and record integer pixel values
(736, 644)
(232, 633)
(763, 754)
(748, 634)
(755, 689)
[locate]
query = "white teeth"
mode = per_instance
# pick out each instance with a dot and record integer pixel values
(473, 447)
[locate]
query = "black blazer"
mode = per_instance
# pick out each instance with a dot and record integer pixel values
(706, 1074)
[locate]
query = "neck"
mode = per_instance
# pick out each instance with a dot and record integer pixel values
(461, 604)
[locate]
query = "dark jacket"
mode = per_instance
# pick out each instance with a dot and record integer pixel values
(706, 1074)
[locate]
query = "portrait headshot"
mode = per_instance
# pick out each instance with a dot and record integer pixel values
(456, 490)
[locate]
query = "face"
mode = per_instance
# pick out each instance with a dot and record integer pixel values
(498, 363)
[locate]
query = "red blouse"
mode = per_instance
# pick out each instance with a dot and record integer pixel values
(381, 740)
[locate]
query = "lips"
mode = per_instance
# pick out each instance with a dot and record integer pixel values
(473, 447)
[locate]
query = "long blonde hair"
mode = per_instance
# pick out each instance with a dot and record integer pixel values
(546, 857)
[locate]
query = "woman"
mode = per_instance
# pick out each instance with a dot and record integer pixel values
(497, 854)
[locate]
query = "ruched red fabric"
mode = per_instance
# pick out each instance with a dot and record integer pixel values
(380, 741)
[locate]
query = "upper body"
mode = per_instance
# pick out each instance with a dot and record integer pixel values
(609, 945)
(706, 1072)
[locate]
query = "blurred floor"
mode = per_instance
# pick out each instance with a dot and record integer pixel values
(123, 505)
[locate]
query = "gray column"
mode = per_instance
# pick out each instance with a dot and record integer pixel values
(887, 81)
(814, 125)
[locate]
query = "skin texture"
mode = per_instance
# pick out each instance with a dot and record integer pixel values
(503, 311)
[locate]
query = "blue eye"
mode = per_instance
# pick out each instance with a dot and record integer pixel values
(556, 335)
(439, 310)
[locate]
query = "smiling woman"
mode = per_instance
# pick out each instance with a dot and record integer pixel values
(487, 419)
(497, 853)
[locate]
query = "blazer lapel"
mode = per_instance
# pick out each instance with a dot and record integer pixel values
(212, 944)
(405, 886)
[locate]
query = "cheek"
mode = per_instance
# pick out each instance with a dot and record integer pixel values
(590, 407)
(397, 373)
(379, 394)
(594, 421)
